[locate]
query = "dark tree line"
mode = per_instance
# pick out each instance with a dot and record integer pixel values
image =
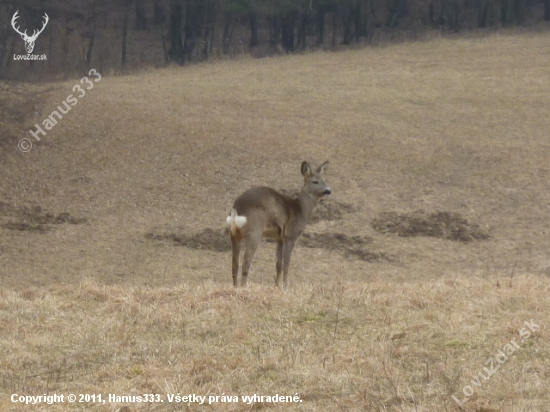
(120, 35)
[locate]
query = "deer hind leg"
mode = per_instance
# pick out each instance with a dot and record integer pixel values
(279, 264)
(252, 240)
(236, 251)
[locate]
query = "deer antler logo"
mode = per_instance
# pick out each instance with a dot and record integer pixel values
(29, 40)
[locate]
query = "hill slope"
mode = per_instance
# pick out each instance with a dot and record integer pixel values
(116, 218)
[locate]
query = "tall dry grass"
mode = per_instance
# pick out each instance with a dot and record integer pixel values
(352, 346)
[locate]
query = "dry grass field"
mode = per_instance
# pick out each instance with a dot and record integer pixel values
(115, 264)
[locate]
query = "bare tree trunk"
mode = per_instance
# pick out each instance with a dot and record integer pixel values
(214, 26)
(191, 29)
(164, 46)
(274, 30)
(253, 18)
(287, 30)
(358, 22)
(141, 15)
(159, 16)
(302, 30)
(209, 24)
(520, 8)
(434, 21)
(396, 9)
(228, 28)
(90, 50)
(175, 32)
(488, 13)
(6, 49)
(124, 33)
(458, 7)
(507, 15)
(347, 21)
(321, 14)
(7, 40)
(334, 26)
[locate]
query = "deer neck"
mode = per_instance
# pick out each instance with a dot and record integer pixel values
(308, 204)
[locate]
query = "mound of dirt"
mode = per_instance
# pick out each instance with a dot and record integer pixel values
(34, 219)
(443, 225)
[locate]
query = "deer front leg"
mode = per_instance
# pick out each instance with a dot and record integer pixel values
(279, 264)
(288, 245)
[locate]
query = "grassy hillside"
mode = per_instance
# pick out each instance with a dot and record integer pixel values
(114, 260)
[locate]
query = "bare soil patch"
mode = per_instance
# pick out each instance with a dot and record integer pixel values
(207, 239)
(443, 225)
(218, 239)
(355, 246)
(34, 219)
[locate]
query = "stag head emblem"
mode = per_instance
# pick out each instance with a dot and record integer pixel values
(29, 40)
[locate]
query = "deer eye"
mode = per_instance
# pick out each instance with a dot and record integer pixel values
(315, 182)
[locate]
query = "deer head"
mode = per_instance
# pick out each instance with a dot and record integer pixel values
(29, 40)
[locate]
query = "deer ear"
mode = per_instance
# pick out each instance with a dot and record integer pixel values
(306, 169)
(323, 168)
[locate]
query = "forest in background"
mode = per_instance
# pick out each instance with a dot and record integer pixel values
(116, 36)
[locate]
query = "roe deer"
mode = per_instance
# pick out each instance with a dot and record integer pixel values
(264, 211)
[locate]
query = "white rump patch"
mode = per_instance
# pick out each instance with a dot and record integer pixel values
(240, 221)
(235, 221)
